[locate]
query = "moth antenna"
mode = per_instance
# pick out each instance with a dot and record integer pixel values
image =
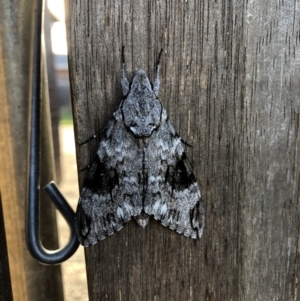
(156, 83)
(124, 81)
(123, 55)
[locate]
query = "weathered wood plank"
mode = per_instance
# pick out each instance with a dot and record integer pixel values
(229, 83)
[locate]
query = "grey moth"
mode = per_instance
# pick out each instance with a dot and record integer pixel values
(140, 170)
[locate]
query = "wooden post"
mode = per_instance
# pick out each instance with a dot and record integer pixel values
(5, 282)
(230, 84)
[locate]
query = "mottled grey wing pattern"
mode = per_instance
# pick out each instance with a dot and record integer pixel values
(111, 194)
(172, 195)
(140, 169)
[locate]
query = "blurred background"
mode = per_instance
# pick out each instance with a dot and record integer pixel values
(73, 270)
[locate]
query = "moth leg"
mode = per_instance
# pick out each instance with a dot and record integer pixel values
(124, 81)
(92, 137)
(186, 143)
(156, 82)
(88, 140)
(85, 168)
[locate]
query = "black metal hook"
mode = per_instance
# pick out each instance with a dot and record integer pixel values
(32, 223)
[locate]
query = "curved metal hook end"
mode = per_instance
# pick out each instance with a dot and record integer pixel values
(34, 244)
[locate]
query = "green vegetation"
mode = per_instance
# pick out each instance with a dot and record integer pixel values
(66, 117)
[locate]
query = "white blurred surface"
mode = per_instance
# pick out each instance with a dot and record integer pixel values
(73, 270)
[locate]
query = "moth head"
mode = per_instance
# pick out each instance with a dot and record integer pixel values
(141, 109)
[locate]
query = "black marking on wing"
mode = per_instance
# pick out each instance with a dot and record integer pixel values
(144, 179)
(84, 224)
(196, 218)
(100, 179)
(180, 176)
(174, 214)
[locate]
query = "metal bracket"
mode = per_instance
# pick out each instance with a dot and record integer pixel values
(32, 223)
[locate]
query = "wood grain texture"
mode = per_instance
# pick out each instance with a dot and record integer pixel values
(230, 84)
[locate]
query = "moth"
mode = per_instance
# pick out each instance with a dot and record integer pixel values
(140, 170)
